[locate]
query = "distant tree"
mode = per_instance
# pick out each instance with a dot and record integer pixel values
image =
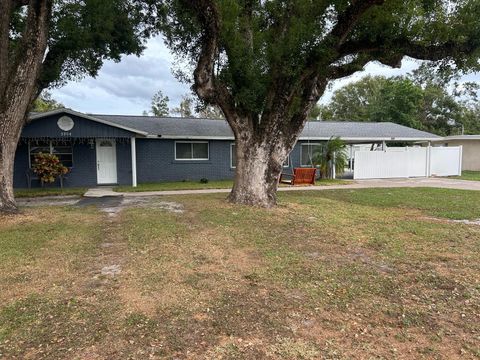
(424, 105)
(448, 102)
(210, 112)
(44, 43)
(429, 74)
(45, 103)
(185, 108)
(439, 111)
(159, 104)
(315, 112)
(355, 101)
(398, 101)
(469, 121)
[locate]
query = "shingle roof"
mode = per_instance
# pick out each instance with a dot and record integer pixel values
(171, 127)
(191, 128)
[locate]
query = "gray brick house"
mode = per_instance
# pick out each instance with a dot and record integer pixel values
(118, 149)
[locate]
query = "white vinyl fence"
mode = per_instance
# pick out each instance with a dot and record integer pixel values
(405, 162)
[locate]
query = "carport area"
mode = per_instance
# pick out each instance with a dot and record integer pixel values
(379, 150)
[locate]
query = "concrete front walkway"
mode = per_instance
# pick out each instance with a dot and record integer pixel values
(445, 183)
(101, 191)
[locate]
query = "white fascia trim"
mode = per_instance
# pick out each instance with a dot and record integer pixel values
(88, 117)
(459, 137)
(231, 138)
(372, 139)
(185, 137)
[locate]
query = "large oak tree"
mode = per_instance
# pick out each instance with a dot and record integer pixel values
(46, 42)
(267, 63)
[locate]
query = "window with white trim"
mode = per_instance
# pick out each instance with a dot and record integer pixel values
(306, 153)
(191, 150)
(63, 150)
(233, 158)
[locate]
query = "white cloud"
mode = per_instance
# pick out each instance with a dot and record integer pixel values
(125, 87)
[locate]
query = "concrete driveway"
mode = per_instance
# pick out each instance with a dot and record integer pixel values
(447, 183)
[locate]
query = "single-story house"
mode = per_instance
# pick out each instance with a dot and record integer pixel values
(470, 149)
(124, 149)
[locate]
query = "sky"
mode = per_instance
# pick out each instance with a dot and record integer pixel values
(127, 87)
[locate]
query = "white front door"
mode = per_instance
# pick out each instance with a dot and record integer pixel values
(106, 162)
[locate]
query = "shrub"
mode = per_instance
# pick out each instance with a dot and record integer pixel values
(48, 167)
(329, 155)
(203, 180)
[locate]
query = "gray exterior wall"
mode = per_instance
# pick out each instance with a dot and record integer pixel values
(156, 162)
(83, 172)
(155, 157)
(470, 153)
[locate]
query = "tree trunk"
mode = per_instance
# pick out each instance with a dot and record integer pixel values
(19, 75)
(12, 118)
(258, 169)
(7, 155)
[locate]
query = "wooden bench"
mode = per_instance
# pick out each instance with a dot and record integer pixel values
(300, 176)
(31, 176)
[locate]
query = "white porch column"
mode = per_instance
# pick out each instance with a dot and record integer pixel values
(134, 161)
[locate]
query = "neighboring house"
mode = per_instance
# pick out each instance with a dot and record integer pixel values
(118, 149)
(470, 149)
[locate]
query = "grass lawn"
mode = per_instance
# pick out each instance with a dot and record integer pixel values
(194, 185)
(334, 274)
(38, 192)
(470, 175)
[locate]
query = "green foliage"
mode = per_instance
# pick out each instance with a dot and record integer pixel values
(159, 105)
(315, 113)
(48, 167)
(270, 45)
(470, 120)
(420, 100)
(85, 33)
(397, 101)
(45, 103)
(355, 101)
(329, 155)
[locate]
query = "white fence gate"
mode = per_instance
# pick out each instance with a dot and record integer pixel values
(408, 162)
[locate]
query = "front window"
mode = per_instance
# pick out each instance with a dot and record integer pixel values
(63, 151)
(308, 150)
(191, 150)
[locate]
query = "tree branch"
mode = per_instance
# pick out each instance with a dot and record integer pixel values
(5, 14)
(206, 85)
(406, 47)
(350, 17)
(335, 40)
